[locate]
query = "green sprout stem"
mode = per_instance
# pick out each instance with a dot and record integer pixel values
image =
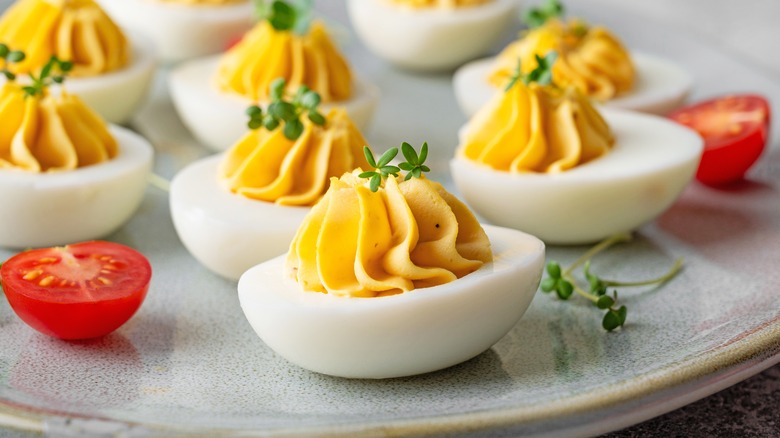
(53, 72)
(564, 284)
(595, 250)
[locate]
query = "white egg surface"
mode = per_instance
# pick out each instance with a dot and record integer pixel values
(651, 163)
(430, 39)
(218, 119)
(117, 95)
(660, 87)
(226, 232)
(180, 31)
(399, 335)
(57, 208)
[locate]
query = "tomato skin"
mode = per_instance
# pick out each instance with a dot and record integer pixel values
(88, 310)
(735, 129)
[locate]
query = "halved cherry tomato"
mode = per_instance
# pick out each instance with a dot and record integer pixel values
(735, 130)
(78, 291)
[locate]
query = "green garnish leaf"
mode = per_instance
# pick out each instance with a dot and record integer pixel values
(53, 72)
(564, 284)
(310, 100)
(413, 165)
(291, 15)
(281, 111)
(316, 118)
(369, 157)
(536, 17)
(293, 129)
(542, 74)
(9, 56)
(386, 157)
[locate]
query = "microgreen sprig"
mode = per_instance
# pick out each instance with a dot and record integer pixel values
(414, 164)
(305, 101)
(294, 15)
(382, 165)
(536, 17)
(53, 72)
(542, 74)
(8, 56)
(563, 283)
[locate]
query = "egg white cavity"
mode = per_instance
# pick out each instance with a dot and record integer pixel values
(652, 161)
(181, 32)
(401, 335)
(218, 119)
(46, 209)
(226, 232)
(661, 86)
(117, 95)
(430, 39)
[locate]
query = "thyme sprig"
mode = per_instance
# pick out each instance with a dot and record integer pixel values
(414, 164)
(536, 17)
(292, 15)
(542, 74)
(53, 72)
(563, 283)
(287, 112)
(9, 56)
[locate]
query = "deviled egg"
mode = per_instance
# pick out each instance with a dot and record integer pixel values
(111, 74)
(430, 35)
(591, 59)
(184, 29)
(398, 273)
(239, 208)
(541, 159)
(211, 94)
(65, 176)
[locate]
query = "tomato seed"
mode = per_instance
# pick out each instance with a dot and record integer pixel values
(32, 275)
(47, 281)
(105, 281)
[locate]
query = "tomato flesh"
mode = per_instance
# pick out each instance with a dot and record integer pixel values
(735, 130)
(79, 291)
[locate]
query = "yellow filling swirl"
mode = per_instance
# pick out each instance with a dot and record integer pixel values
(47, 134)
(536, 129)
(73, 30)
(446, 4)
(591, 59)
(407, 235)
(266, 54)
(267, 166)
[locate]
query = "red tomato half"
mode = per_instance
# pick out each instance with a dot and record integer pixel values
(78, 291)
(735, 131)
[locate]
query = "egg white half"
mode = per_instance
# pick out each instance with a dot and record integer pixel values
(652, 161)
(117, 95)
(47, 209)
(181, 32)
(661, 86)
(226, 232)
(401, 335)
(434, 38)
(219, 119)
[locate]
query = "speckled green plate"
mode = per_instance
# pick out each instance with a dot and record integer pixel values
(189, 363)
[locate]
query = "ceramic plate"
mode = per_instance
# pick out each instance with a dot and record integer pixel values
(189, 362)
